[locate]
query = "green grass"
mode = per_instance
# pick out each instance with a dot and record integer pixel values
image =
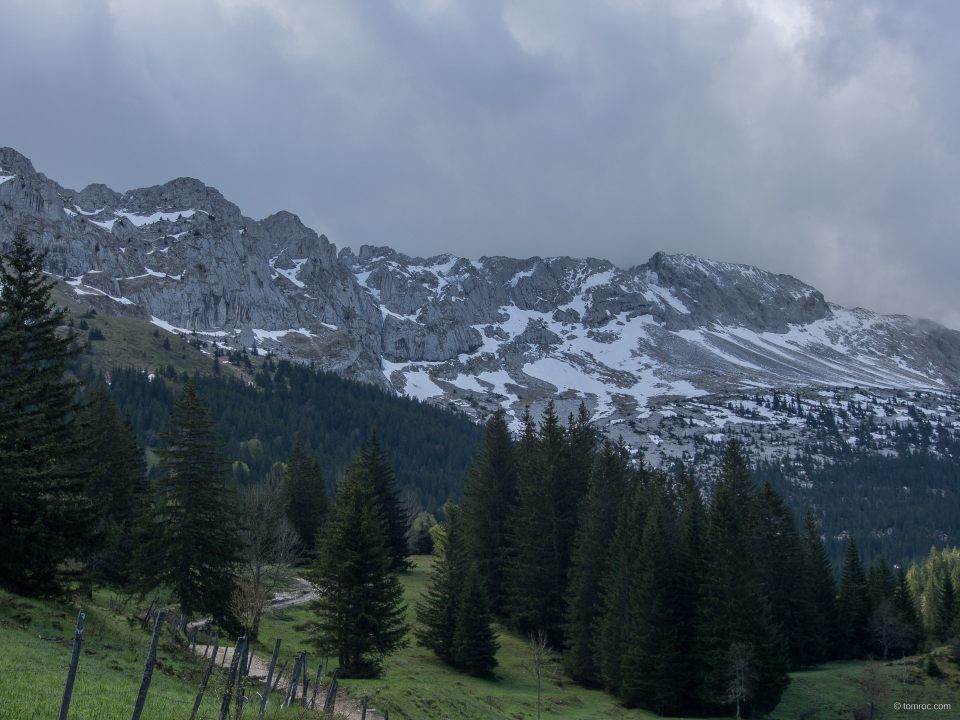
(836, 689)
(135, 343)
(36, 640)
(416, 685)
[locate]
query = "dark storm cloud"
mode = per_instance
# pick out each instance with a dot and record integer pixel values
(812, 138)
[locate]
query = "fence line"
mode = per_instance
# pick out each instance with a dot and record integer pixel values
(233, 682)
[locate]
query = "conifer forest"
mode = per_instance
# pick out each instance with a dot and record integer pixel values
(670, 599)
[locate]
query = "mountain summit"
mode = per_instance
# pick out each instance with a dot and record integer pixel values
(483, 334)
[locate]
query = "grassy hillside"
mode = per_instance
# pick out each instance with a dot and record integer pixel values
(131, 342)
(36, 640)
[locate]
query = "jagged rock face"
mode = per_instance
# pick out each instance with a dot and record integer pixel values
(483, 334)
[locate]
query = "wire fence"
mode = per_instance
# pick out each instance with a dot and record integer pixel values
(108, 689)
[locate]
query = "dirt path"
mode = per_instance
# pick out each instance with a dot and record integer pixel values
(302, 593)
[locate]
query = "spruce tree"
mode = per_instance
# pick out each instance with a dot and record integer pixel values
(535, 583)
(119, 485)
(359, 615)
(853, 603)
(386, 494)
(906, 607)
(734, 603)
(780, 556)
(598, 514)
(823, 634)
(947, 610)
(438, 609)
(305, 491)
(46, 517)
(613, 614)
(692, 563)
(654, 666)
(474, 640)
(191, 545)
(489, 489)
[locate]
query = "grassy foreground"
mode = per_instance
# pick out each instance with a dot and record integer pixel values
(36, 641)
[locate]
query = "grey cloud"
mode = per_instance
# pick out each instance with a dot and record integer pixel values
(818, 139)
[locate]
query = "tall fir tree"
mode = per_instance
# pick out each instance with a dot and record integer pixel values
(780, 556)
(489, 489)
(947, 610)
(618, 580)
(734, 603)
(474, 640)
(543, 522)
(305, 492)
(190, 543)
(853, 602)
(535, 584)
(46, 516)
(823, 633)
(386, 494)
(119, 485)
(439, 606)
(692, 564)
(655, 666)
(598, 514)
(359, 616)
(906, 606)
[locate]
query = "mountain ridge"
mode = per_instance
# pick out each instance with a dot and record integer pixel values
(486, 334)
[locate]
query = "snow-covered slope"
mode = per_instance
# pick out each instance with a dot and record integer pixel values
(483, 333)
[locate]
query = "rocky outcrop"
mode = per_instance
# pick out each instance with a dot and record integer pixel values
(502, 332)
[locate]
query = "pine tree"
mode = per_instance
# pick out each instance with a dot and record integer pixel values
(383, 481)
(535, 585)
(598, 514)
(543, 522)
(854, 607)
(654, 666)
(191, 544)
(359, 615)
(823, 634)
(734, 605)
(947, 607)
(474, 640)
(776, 543)
(119, 485)
(618, 580)
(46, 518)
(489, 489)
(906, 607)
(692, 563)
(438, 609)
(305, 491)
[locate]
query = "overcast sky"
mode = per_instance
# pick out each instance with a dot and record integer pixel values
(819, 139)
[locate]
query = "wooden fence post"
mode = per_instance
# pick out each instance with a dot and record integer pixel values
(306, 678)
(241, 674)
(72, 672)
(316, 686)
(203, 687)
(331, 693)
(276, 683)
(148, 668)
(266, 685)
(292, 683)
(231, 679)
